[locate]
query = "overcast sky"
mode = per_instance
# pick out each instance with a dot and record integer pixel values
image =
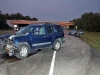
(53, 10)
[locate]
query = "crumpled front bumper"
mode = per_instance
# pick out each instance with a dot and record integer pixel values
(1, 47)
(2, 44)
(8, 47)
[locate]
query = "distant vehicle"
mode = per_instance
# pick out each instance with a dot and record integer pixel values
(76, 32)
(31, 38)
(72, 32)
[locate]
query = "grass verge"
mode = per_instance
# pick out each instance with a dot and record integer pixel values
(6, 31)
(92, 38)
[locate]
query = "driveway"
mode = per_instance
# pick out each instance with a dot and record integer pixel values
(74, 58)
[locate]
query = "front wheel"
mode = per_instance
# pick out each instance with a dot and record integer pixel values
(81, 34)
(23, 51)
(56, 45)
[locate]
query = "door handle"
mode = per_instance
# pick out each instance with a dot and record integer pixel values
(45, 36)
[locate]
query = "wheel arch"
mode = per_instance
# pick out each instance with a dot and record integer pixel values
(59, 39)
(21, 45)
(25, 44)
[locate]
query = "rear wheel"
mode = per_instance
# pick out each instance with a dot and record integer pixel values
(23, 51)
(56, 45)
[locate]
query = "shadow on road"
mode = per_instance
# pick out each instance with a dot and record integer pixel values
(8, 58)
(11, 59)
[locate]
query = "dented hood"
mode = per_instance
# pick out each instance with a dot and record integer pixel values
(5, 36)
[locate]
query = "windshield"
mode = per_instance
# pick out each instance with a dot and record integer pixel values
(24, 30)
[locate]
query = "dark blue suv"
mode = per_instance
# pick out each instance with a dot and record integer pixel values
(31, 38)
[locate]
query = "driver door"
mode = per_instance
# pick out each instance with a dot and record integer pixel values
(39, 39)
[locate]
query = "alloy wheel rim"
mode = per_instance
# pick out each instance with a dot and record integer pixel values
(57, 46)
(23, 51)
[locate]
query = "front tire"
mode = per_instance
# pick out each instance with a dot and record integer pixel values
(81, 34)
(23, 51)
(56, 45)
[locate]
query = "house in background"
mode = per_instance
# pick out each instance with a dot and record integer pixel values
(16, 24)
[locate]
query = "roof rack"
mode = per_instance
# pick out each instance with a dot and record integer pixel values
(42, 23)
(51, 23)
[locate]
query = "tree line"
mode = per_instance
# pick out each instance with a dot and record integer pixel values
(88, 21)
(18, 16)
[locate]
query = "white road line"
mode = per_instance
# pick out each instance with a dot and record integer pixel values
(52, 64)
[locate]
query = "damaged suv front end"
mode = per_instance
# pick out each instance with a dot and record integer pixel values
(7, 44)
(31, 38)
(16, 44)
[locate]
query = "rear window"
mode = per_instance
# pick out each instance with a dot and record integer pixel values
(59, 28)
(50, 29)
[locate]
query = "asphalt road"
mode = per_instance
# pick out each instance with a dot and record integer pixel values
(74, 58)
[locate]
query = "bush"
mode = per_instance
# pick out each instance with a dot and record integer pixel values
(89, 21)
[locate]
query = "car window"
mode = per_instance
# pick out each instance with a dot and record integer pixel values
(24, 30)
(73, 30)
(59, 28)
(42, 31)
(39, 30)
(50, 29)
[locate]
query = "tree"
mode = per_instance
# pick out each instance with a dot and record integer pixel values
(35, 19)
(89, 21)
(0, 12)
(27, 18)
(3, 24)
(17, 16)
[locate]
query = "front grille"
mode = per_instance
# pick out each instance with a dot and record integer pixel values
(9, 46)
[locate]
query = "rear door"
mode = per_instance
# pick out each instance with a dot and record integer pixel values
(50, 33)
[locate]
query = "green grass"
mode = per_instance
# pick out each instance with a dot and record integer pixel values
(92, 38)
(6, 31)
